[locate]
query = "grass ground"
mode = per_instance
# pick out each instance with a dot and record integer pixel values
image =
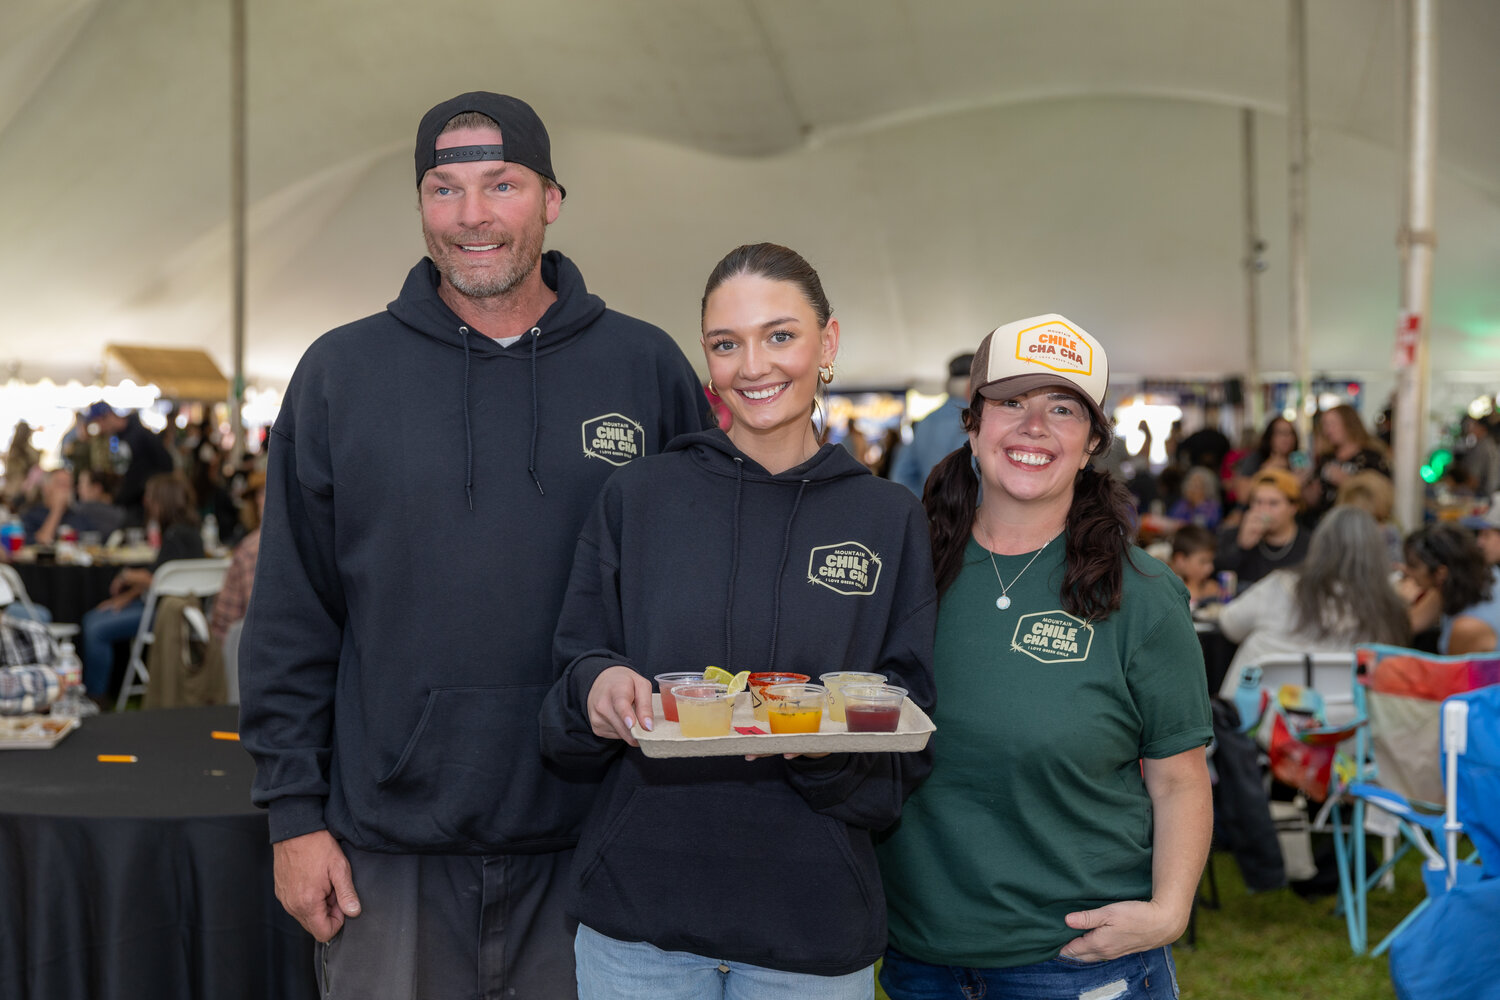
(1280, 946)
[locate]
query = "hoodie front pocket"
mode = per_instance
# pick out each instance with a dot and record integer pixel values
(471, 774)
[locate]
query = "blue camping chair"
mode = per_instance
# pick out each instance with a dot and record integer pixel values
(1416, 787)
(1447, 948)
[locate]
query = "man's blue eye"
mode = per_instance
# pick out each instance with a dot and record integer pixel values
(503, 186)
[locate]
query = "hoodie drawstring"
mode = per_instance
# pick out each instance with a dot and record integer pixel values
(786, 545)
(734, 565)
(536, 335)
(463, 335)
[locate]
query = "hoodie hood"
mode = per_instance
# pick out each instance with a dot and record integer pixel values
(420, 307)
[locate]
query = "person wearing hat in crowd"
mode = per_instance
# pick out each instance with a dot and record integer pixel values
(1056, 847)
(936, 434)
(1486, 528)
(1268, 537)
(148, 457)
(427, 477)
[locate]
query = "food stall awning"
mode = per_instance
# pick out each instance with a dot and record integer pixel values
(180, 373)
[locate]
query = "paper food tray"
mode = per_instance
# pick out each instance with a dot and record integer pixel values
(667, 740)
(33, 732)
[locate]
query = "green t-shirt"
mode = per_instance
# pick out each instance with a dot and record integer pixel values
(1036, 806)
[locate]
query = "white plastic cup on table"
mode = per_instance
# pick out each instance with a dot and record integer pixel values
(666, 682)
(873, 708)
(835, 683)
(703, 709)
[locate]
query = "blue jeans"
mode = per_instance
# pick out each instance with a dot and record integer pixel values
(632, 970)
(102, 628)
(1146, 975)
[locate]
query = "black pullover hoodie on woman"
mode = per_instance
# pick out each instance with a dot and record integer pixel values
(424, 493)
(700, 556)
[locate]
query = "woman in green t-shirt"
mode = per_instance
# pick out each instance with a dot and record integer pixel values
(1057, 844)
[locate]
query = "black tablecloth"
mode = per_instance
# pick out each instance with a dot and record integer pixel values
(64, 589)
(149, 880)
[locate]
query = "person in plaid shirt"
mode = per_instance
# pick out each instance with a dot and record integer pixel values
(234, 599)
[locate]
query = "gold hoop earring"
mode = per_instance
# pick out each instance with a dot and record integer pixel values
(825, 373)
(711, 388)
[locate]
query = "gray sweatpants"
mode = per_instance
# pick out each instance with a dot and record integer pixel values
(453, 927)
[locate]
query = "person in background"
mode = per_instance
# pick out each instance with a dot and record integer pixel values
(59, 506)
(427, 476)
(721, 536)
(1268, 537)
(1376, 494)
(1482, 458)
(1056, 847)
(1449, 587)
(1338, 596)
(936, 434)
(20, 459)
(1486, 528)
(1278, 448)
(1192, 560)
(1206, 446)
(169, 501)
(1347, 449)
(233, 599)
(1199, 503)
(148, 457)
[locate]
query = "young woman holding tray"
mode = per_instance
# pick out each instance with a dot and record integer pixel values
(1056, 847)
(753, 549)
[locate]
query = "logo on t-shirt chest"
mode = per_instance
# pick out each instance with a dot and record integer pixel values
(845, 568)
(1053, 637)
(614, 437)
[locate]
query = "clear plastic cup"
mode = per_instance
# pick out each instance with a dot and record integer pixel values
(795, 708)
(666, 682)
(759, 682)
(835, 683)
(873, 708)
(703, 709)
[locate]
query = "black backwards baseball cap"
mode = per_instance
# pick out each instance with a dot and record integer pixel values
(524, 137)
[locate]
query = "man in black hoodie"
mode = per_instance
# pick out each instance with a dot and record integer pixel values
(429, 472)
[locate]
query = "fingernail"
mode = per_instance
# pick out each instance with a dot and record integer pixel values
(647, 725)
(629, 722)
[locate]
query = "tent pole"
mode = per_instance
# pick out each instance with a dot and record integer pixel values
(1297, 205)
(1417, 240)
(1254, 265)
(237, 221)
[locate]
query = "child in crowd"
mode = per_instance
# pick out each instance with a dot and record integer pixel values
(1193, 560)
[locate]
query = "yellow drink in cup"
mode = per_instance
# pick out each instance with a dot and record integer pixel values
(795, 708)
(835, 683)
(704, 709)
(759, 683)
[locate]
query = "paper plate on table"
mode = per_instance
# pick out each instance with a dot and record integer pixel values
(833, 737)
(33, 732)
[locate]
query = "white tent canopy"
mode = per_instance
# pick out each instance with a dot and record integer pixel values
(947, 164)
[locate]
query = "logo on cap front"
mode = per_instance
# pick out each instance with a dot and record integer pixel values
(1056, 346)
(614, 437)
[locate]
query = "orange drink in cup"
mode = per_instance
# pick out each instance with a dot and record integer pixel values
(703, 709)
(837, 681)
(759, 683)
(795, 708)
(666, 682)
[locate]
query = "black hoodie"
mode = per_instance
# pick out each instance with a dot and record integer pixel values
(423, 499)
(697, 557)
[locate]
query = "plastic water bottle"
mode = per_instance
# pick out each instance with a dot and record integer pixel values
(74, 703)
(1247, 698)
(210, 533)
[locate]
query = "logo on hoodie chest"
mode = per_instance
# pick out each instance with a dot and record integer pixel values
(614, 437)
(845, 568)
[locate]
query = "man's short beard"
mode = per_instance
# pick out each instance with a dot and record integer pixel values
(487, 283)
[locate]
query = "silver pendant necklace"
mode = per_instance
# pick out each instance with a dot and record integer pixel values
(1003, 601)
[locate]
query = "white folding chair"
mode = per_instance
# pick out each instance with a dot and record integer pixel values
(1329, 674)
(59, 630)
(178, 578)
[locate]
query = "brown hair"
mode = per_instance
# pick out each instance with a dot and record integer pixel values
(171, 497)
(1192, 538)
(774, 263)
(1100, 525)
(1354, 428)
